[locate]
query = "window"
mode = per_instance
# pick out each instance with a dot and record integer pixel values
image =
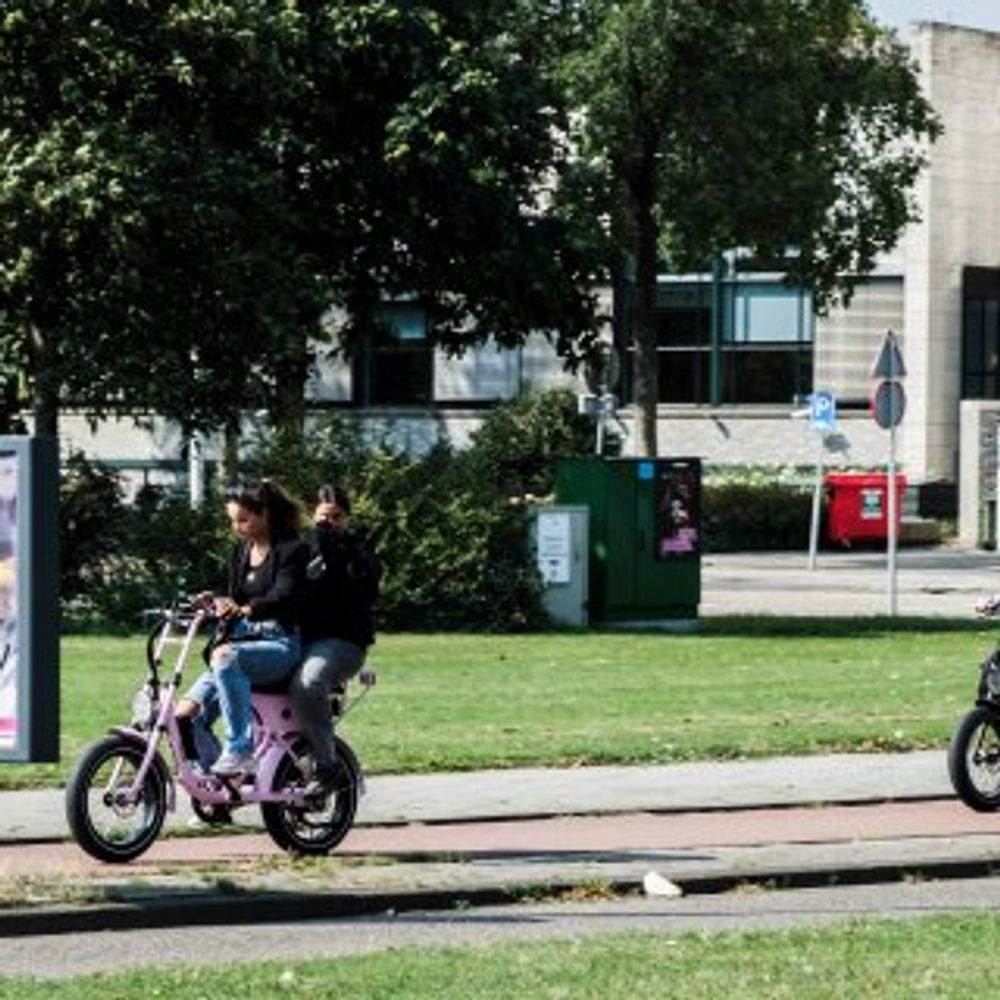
(766, 342)
(981, 333)
(396, 366)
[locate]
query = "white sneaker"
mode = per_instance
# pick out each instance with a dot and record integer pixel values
(231, 764)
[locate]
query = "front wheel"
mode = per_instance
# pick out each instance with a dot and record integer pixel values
(314, 829)
(974, 759)
(106, 822)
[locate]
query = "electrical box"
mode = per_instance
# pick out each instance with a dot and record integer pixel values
(644, 535)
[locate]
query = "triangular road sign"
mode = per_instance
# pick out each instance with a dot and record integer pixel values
(889, 362)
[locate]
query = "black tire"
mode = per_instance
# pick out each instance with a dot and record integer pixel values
(314, 830)
(106, 828)
(974, 760)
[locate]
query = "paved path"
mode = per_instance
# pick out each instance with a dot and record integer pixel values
(533, 792)
(938, 581)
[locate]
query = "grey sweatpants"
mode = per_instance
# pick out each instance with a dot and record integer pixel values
(326, 663)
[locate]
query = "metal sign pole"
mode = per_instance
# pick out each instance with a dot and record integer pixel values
(891, 499)
(891, 511)
(816, 503)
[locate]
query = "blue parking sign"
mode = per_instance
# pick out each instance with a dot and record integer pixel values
(822, 411)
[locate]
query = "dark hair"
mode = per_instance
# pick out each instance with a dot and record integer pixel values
(332, 493)
(282, 511)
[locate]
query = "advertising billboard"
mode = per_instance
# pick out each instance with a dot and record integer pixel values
(29, 600)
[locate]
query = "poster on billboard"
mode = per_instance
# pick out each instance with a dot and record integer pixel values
(29, 609)
(678, 507)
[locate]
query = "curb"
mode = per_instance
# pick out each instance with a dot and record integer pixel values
(248, 906)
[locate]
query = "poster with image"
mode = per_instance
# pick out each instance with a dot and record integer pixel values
(8, 599)
(678, 503)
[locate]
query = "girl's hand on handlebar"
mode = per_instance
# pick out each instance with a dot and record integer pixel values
(205, 601)
(226, 608)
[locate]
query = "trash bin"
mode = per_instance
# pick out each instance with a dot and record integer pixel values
(859, 506)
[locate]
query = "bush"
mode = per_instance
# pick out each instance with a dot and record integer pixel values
(447, 525)
(118, 558)
(755, 515)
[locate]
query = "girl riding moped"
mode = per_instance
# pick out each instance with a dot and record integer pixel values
(121, 788)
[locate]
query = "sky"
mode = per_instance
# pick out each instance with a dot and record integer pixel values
(966, 13)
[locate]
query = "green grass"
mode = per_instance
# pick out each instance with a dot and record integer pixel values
(943, 958)
(738, 688)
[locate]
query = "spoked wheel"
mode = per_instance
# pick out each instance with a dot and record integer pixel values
(318, 828)
(104, 820)
(974, 760)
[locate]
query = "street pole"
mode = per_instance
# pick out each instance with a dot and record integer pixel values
(891, 499)
(816, 504)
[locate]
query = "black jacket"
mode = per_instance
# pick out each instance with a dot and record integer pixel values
(284, 589)
(341, 588)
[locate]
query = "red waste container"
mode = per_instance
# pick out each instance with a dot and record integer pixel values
(859, 506)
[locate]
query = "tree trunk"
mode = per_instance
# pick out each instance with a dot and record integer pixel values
(45, 387)
(645, 379)
(288, 409)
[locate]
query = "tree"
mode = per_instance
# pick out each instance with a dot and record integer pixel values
(189, 185)
(773, 125)
(146, 258)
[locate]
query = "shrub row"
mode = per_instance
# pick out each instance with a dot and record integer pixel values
(454, 544)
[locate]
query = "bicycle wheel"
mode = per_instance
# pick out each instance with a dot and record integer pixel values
(319, 829)
(103, 822)
(974, 760)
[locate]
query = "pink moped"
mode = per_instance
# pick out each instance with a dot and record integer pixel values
(120, 790)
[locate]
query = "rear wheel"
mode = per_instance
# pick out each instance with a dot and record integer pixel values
(104, 820)
(974, 760)
(316, 828)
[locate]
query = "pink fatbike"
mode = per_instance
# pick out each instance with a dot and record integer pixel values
(120, 790)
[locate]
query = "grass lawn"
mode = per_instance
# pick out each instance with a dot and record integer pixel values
(942, 957)
(742, 687)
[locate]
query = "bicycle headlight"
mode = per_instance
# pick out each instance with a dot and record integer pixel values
(143, 708)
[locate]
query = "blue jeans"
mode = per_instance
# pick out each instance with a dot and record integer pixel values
(326, 663)
(226, 688)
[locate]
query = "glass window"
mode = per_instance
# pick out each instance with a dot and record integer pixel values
(768, 376)
(396, 366)
(771, 313)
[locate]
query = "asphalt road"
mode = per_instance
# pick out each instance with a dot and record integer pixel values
(68, 955)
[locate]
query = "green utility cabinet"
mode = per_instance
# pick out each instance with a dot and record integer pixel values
(645, 535)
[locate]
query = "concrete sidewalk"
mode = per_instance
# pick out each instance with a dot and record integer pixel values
(38, 815)
(179, 881)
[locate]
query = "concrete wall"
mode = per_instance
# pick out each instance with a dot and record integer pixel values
(960, 199)
(848, 338)
(977, 484)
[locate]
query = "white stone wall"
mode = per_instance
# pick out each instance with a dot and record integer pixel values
(960, 199)
(848, 339)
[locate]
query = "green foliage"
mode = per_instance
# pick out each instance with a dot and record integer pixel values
(91, 516)
(519, 442)
(120, 558)
(186, 192)
(743, 516)
(774, 125)
(450, 526)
